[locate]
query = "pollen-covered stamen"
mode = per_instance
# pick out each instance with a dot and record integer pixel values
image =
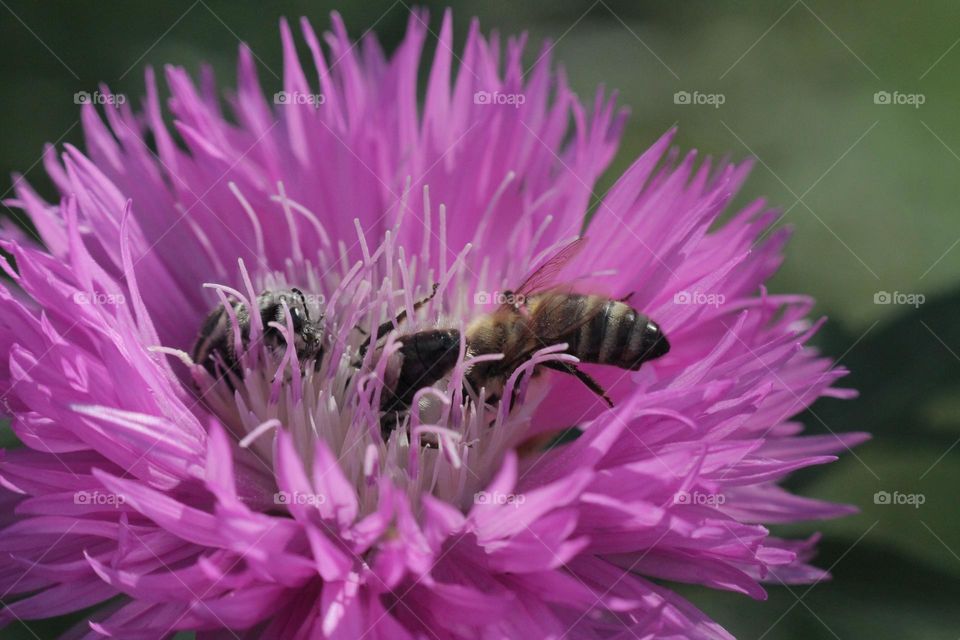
(288, 362)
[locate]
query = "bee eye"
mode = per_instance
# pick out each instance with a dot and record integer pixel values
(296, 314)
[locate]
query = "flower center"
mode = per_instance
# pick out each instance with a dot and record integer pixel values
(372, 361)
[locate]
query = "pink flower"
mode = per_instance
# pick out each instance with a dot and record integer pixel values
(270, 506)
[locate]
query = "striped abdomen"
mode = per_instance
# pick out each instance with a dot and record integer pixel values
(615, 333)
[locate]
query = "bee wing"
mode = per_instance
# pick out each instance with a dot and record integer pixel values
(543, 277)
(560, 314)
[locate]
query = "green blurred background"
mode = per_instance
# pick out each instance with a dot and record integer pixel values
(870, 189)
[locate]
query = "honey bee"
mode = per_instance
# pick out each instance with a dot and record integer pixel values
(215, 349)
(596, 329)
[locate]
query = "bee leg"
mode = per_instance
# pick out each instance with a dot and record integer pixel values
(386, 326)
(403, 313)
(626, 298)
(582, 376)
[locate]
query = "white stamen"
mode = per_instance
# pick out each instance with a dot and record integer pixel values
(261, 429)
(252, 215)
(183, 356)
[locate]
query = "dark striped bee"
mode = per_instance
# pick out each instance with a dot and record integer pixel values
(215, 349)
(596, 329)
